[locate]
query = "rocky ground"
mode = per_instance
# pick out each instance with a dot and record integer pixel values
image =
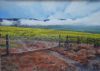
(84, 55)
(43, 57)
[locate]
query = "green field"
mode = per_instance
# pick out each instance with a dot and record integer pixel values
(31, 32)
(47, 34)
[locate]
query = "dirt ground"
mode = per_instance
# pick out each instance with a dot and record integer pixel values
(40, 57)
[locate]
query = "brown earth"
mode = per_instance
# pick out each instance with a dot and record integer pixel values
(39, 57)
(33, 61)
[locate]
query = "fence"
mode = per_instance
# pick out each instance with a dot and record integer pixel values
(4, 43)
(59, 41)
(79, 40)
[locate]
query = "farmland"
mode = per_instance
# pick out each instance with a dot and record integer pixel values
(33, 32)
(46, 34)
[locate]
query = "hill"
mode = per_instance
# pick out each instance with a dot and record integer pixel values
(37, 32)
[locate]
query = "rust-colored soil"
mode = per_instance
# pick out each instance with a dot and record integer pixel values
(39, 61)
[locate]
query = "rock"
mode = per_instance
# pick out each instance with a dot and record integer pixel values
(70, 54)
(71, 68)
(2, 51)
(82, 51)
(94, 65)
(75, 48)
(91, 56)
(85, 46)
(98, 51)
(81, 56)
(92, 51)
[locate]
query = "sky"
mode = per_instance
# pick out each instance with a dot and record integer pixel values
(85, 12)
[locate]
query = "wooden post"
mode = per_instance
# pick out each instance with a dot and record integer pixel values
(7, 44)
(59, 41)
(94, 41)
(66, 43)
(87, 41)
(0, 35)
(78, 40)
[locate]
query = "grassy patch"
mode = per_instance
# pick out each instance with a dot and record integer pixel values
(46, 34)
(31, 32)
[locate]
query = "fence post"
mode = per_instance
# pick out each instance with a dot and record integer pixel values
(59, 41)
(95, 42)
(66, 43)
(7, 44)
(0, 35)
(88, 41)
(78, 40)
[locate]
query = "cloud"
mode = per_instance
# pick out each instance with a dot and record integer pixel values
(50, 22)
(82, 9)
(89, 20)
(53, 6)
(83, 12)
(7, 22)
(30, 22)
(93, 19)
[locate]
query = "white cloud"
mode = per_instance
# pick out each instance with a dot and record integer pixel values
(50, 22)
(30, 22)
(93, 19)
(53, 6)
(6, 22)
(79, 9)
(84, 12)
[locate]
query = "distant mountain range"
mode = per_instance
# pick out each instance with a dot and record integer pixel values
(82, 28)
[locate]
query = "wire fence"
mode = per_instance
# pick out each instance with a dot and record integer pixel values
(8, 42)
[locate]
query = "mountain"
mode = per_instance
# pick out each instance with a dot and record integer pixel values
(81, 28)
(90, 29)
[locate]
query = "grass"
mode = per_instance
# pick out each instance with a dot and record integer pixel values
(31, 32)
(45, 33)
